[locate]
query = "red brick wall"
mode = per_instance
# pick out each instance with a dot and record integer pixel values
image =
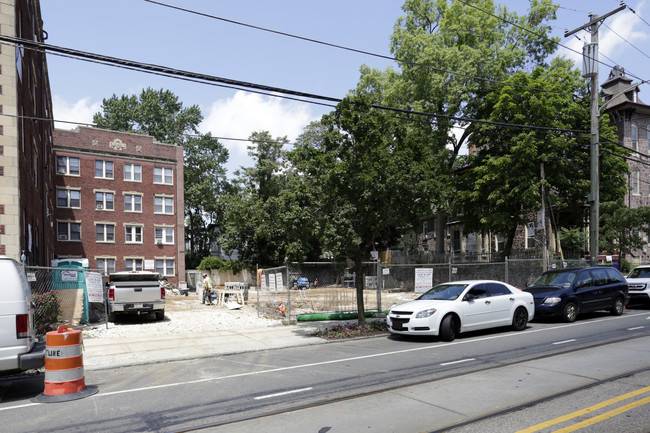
(90, 144)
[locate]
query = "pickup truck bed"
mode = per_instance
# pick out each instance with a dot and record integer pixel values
(135, 293)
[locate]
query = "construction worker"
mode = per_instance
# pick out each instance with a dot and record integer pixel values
(207, 289)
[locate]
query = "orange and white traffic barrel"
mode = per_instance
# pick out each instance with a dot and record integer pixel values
(64, 370)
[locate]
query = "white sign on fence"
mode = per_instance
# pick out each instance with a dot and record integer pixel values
(423, 279)
(68, 275)
(95, 287)
(371, 283)
(263, 282)
(278, 281)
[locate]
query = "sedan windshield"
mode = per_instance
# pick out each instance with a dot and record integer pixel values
(640, 273)
(444, 292)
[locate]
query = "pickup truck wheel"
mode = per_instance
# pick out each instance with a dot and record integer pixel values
(111, 317)
(160, 315)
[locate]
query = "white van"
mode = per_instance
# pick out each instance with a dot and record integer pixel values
(19, 350)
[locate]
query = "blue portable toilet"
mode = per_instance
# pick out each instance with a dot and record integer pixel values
(68, 278)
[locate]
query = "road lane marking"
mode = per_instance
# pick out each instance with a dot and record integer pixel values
(337, 361)
(593, 408)
(279, 394)
(634, 329)
(457, 362)
(565, 341)
(604, 416)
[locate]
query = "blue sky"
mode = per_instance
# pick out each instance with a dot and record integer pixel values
(147, 32)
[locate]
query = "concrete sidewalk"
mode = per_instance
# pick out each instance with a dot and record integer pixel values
(100, 353)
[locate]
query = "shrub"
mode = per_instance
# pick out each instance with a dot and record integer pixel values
(47, 312)
(352, 330)
(209, 263)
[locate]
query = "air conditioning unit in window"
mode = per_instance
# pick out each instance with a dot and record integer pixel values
(63, 237)
(158, 241)
(99, 207)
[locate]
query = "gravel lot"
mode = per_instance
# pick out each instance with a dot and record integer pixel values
(183, 315)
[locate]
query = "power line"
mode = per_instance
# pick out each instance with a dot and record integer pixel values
(211, 79)
(539, 35)
(630, 43)
(639, 16)
(342, 47)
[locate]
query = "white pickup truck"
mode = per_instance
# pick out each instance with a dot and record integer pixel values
(136, 292)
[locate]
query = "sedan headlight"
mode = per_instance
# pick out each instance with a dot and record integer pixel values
(552, 301)
(425, 313)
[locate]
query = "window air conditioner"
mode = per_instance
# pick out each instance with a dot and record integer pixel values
(99, 207)
(158, 241)
(63, 237)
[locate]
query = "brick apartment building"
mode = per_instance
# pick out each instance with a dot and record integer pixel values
(119, 201)
(26, 152)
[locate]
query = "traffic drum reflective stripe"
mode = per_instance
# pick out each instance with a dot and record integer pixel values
(64, 372)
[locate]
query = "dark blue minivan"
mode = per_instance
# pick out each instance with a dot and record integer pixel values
(566, 293)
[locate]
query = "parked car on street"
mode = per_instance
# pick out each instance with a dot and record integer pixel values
(566, 293)
(460, 306)
(19, 350)
(638, 281)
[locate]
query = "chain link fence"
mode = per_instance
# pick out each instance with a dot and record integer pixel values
(66, 295)
(303, 289)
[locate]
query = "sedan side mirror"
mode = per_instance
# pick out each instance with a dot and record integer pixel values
(469, 297)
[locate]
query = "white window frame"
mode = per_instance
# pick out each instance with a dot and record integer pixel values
(132, 171)
(163, 265)
(161, 175)
(166, 204)
(133, 207)
(635, 181)
(68, 197)
(163, 234)
(104, 266)
(634, 136)
(133, 233)
(137, 263)
(68, 230)
(106, 235)
(104, 169)
(65, 168)
(102, 204)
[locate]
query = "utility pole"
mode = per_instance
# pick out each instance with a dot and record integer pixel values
(590, 69)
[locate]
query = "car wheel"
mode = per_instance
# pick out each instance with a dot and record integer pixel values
(520, 319)
(160, 315)
(448, 328)
(617, 308)
(570, 313)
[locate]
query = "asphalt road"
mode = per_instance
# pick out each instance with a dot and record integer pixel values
(379, 384)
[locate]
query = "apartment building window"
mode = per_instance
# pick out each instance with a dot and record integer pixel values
(68, 230)
(164, 235)
(163, 204)
(134, 264)
(67, 165)
(635, 137)
(163, 175)
(635, 181)
(165, 266)
(104, 200)
(530, 235)
(106, 264)
(104, 232)
(104, 169)
(133, 172)
(133, 234)
(70, 198)
(132, 202)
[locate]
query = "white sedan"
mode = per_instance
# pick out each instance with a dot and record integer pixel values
(460, 306)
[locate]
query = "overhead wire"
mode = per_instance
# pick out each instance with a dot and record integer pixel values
(625, 40)
(342, 47)
(208, 79)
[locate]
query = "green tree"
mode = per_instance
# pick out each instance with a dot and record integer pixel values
(369, 177)
(501, 188)
(160, 114)
(622, 228)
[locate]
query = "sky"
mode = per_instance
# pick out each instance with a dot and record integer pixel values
(148, 32)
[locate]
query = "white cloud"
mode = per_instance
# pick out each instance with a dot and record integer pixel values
(245, 113)
(613, 34)
(81, 111)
